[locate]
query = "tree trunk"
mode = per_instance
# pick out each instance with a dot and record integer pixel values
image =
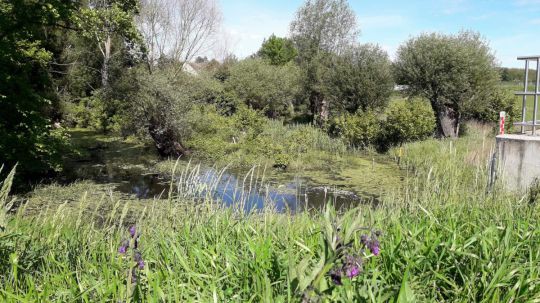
(165, 140)
(319, 108)
(106, 62)
(448, 120)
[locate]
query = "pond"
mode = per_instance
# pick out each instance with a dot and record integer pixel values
(129, 168)
(234, 190)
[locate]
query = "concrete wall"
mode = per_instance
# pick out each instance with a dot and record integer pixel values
(518, 160)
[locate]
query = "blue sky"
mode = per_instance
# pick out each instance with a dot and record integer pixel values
(512, 27)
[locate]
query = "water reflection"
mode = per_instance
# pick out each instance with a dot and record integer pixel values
(246, 192)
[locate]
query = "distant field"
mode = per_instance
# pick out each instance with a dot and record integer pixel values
(518, 87)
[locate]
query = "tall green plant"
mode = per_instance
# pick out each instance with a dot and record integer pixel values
(5, 204)
(26, 94)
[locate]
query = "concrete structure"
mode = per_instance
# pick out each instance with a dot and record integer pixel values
(518, 156)
(518, 160)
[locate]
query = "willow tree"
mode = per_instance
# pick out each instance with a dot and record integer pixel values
(361, 79)
(454, 72)
(321, 29)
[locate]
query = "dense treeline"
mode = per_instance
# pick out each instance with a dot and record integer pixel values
(132, 67)
(516, 74)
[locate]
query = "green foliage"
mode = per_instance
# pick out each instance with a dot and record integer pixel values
(100, 19)
(450, 71)
(247, 137)
(408, 121)
(403, 121)
(496, 100)
(248, 122)
(264, 87)
(361, 129)
(323, 26)
(321, 29)
(278, 51)
(167, 98)
(26, 95)
(361, 78)
(516, 74)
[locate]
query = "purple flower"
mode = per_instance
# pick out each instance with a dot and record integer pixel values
(352, 266)
(352, 271)
(374, 247)
(137, 257)
(132, 231)
(123, 247)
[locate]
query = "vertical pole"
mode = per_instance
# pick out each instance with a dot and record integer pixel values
(524, 107)
(502, 116)
(536, 92)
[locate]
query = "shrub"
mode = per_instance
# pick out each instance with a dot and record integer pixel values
(360, 129)
(408, 121)
(494, 102)
(264, 87)
(248, 121)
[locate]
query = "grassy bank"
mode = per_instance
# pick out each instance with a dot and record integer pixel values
(444, 238)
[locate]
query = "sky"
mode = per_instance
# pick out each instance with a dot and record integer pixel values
(512, 27)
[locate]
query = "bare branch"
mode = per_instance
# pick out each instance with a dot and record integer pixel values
(178, 30)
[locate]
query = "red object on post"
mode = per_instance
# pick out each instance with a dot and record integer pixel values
(502, 115)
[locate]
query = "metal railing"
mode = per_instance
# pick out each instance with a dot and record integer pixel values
(525, 93)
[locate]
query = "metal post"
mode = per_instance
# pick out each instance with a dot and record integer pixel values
(536, 94)
(524, 108)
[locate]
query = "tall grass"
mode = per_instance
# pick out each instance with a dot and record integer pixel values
(444, 238)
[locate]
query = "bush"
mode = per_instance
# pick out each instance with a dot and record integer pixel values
(264, 87)
(496, 101)
(408, 121)
(360, 129)
(249, 122)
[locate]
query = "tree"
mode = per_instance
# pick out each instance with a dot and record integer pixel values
(174, 32)
(26, 95)
(102, 20)
(160, 102)
(178, 30)
(278, 51)
(450, 71)
(361, 78)
(321, 28)
(264, 87)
